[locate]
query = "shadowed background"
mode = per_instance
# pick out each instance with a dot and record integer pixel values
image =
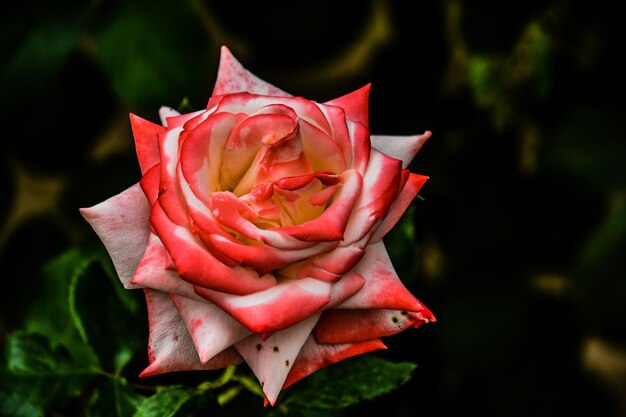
(519, 245)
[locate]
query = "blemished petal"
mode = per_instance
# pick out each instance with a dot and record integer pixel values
(351, 326)
(383, 289)
(403, 148)
(232, 77)
(146, 136)
(405, 197)
(355, 104)
(272, 359)
(212, 330)
(198, 266)
(276, 308)
(123, 224)
(153, 272)
(170, 347)
(314, 356)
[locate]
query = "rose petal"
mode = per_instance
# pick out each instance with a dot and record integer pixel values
(383, 289)
(350, 326)
(320, 149)
(174, 121)
(232, 77)
(355, 104)
(381, 184)
(348, 285)
(253, 104)
(122, 223)
(314, 356)
(332, 264)
(170, 198)
(264, 259)
(403, 148)
(170, 347)
(150, 183)
(406, 196)
(165, 112)
(276, 308)
(198, 266)
(201, 153)
(211, 329)
(153, 271)
(146, 136)
(331, 224)
(339, 130)
(272, 359)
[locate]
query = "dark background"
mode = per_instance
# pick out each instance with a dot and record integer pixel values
(519, 245)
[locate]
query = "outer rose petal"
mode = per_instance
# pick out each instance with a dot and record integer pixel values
(350, 326)
(170, 347)
(211, 329)
(406, 196)
(153, 272)
(355, 104)
(122, 223)
(272, 359)
(381, 184)
(146, 136)
(383, 289)
(314, 356)
(232, 77)
(403, 148)
(276, 308)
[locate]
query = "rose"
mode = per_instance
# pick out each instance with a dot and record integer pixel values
(256, 231)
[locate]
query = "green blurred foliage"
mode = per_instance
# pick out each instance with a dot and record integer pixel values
(518, 246)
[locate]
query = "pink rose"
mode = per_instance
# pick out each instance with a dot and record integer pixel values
(256, 231)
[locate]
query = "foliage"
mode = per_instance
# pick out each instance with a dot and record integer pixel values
(92, 362)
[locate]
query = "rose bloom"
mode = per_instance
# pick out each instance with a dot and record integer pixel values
(256, 231)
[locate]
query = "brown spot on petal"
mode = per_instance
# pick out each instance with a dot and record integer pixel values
(258, 346)
(287, 362)
(275, 348)
(394, 319)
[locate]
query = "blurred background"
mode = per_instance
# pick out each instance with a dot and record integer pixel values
(519, 244)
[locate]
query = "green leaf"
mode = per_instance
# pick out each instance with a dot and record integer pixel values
(114, 399)
(106, 315)
(349, 382)
(166, 402)
(106, 325)
(31, 354)
(51, 315)
(37, 378)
